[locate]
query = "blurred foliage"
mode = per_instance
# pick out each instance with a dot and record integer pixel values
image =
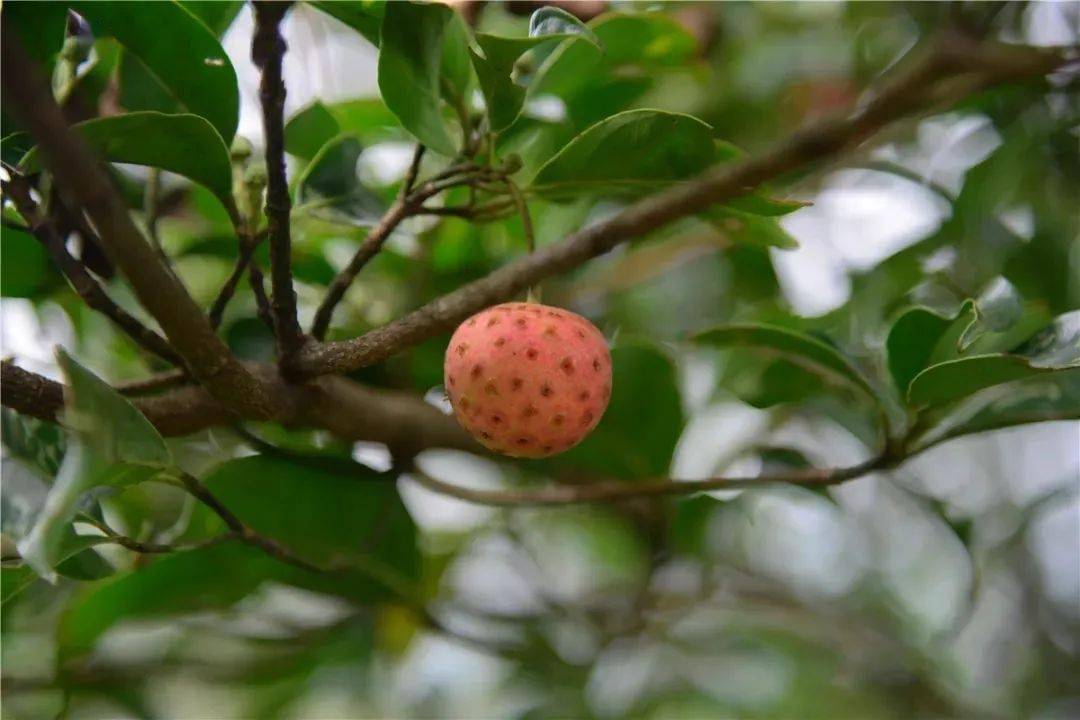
(923, 592)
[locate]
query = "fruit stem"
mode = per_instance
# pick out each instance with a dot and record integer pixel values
(533, 294)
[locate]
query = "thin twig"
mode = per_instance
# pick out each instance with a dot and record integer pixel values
(407, 203)
(80, 278)
(268, 51)
(613, 491)
(248, 246)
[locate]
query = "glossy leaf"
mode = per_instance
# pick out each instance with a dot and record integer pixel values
(503, 97)
(410, 64)
(805, 351)
(187, 60)
(632, 153)
(184, 144)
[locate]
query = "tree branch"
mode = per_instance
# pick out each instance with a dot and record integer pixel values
(80, 278)
(908, 91)
(351, 411)
(267, 51)
(77, 172)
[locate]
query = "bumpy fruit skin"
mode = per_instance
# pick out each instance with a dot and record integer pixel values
(528, 380)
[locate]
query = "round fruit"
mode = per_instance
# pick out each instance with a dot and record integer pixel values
(528, 380)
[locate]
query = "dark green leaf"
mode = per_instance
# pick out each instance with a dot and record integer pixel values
(26, 271)
(184, 144)
(326, 515)
(187, 59)
(911, 342)
(410, 63)
(632, 153)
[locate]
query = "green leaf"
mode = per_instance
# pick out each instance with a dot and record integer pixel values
(328, 516)
(111, 445)
(184, 144)
(330, 189)
(640, 41)
(997, 308)
(911, 343)
(456, 71)
(1056, 348)
(749, 228)
(410, 64)
(636, 437)
(503, 97)
(106, 422)
(26, 271)
(1050, 396)
(363, 16)
(632, 153)
(187, 60)
(183, 582)
(805, 351)
(308, 130)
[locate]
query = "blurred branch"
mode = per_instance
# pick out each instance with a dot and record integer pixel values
(267, 52)
(18, 190)
(917, 85)
(78, 173)
(248, 245)
(606, 492)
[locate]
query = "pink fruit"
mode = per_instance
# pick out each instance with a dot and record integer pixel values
(528, 380)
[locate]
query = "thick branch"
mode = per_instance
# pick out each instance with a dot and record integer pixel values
(77, 172)
(80, 278)
(267, 51)
(910, 91)
(353, 412)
